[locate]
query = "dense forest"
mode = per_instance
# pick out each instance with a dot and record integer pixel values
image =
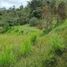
(43, 14)
(35, 35)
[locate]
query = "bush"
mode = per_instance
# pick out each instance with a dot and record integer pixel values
(12, 22)
(57, 49)
(22, 20)
(57, 44)
(4, 28)
(36, 13)
(33, 21)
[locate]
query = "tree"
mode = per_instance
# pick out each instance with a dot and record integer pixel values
(21, 7)
(34, 4)
(62, 10)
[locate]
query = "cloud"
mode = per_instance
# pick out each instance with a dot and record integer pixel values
(10, 3)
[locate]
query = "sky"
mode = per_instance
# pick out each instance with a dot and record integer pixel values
(10, 3)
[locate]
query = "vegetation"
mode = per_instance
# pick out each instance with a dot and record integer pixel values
(35, 35)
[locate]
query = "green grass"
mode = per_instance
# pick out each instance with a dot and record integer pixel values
(50, 50)
(15, 44)
(25, 46)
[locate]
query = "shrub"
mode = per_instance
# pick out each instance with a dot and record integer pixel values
(22, 20)
(36, 13)
(4, 28)
(33, 21)
(57, 44)
(12, 22)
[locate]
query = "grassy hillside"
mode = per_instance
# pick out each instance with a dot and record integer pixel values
(15, 43)
(49, 51)
(25, 46)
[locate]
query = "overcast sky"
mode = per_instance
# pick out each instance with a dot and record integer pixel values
(10, 3)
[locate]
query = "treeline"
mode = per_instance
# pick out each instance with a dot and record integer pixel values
(44, 14)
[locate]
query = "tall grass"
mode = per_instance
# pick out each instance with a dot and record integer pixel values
(13, 45)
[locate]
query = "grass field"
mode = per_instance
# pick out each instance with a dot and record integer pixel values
(25, 46)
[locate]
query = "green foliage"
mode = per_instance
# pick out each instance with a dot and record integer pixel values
(4, 28)
(39, 9)
(26, 46)
(34, 4)
(62, 10)
(29, 45)
(57, 43)
(33, 21)
(36, 13)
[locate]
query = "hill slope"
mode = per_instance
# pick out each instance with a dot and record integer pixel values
(24, 46)
(49, 51)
